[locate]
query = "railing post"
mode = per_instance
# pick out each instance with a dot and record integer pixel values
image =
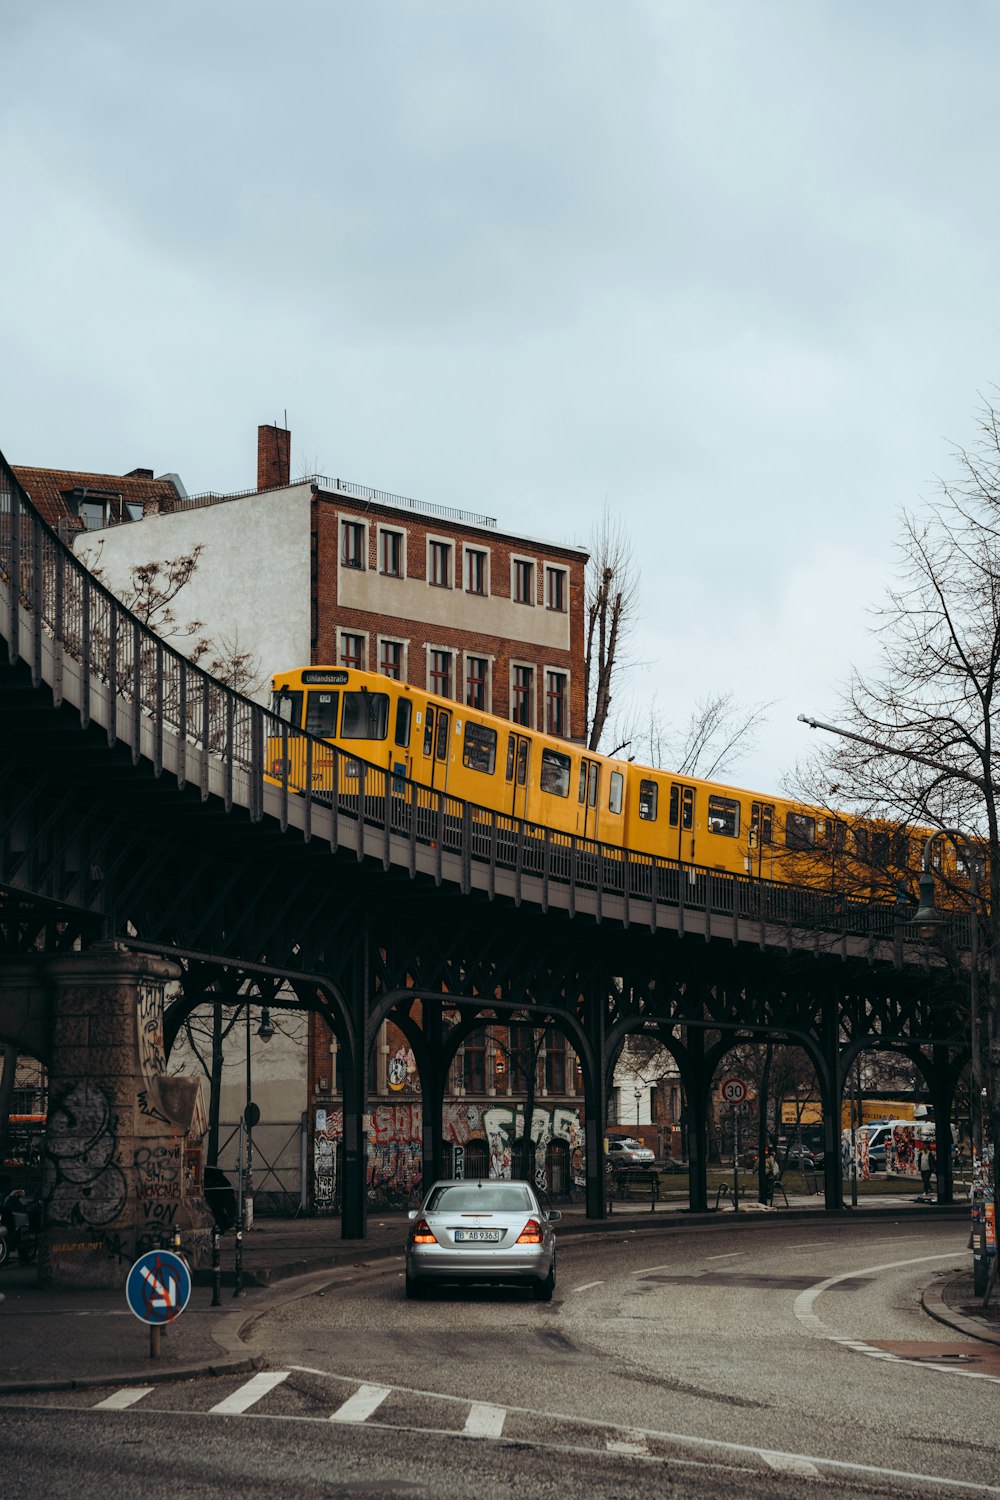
(335, 801)
(14, 603)
(307, 792)
(414, 812)
(360, 844)
(183, 725)
(546, 868)
(57, 681)
(285, 751)
(466, 848)
(206, 718)
(440, 837)
(136, 691)
(256, 763)
(491, 888)
(574, 855)
(158, 712)
(112, 677)
(230, 753)
(36, 602)
(85, 673)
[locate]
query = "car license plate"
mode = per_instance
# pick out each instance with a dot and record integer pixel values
(490, 1236)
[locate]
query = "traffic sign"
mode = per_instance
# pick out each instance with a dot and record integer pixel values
(158, 1287)
(733, 1090)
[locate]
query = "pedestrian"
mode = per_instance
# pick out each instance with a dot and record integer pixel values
(771, 1173)
(925, 1166)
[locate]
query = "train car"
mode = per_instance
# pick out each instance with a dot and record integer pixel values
(438, 746)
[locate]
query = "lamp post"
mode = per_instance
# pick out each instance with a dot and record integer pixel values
(251, 1116)
(638, 1096)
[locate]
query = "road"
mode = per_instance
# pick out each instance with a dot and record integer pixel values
(778, 1360)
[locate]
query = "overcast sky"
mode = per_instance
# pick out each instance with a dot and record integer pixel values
(730, 267)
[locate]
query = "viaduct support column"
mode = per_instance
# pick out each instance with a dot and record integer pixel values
(942, 1091)
(695, 1079)
(354, 1203)
(115, 1173)
(432, 1083)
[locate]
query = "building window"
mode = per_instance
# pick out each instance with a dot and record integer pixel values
(475, 571)
(523, 1044)
(391, 553)
(555, 589)
(440, 565)
(522, 695)
(476, 669)
(440, 673)
(352, 651)
(352, 551)
(555, 1064)
(474, 1064)
(524, 581)
(555, 702)
(390, 659)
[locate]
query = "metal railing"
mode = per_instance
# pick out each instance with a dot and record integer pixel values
(342, 487)
(223, 742)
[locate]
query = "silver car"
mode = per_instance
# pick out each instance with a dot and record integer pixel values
(482, 1229)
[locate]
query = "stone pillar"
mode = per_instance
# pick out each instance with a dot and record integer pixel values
(114, 1178)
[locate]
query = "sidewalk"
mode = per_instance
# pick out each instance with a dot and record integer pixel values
(53, 1340)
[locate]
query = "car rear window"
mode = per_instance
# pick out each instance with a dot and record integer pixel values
(500, 1197)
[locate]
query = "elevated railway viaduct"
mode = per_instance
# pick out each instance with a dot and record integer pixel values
(145, 865)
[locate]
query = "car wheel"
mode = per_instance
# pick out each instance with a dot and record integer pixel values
(4, 1251)
(542, 1290)
(414, 1289)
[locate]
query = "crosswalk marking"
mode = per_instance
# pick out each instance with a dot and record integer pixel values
(485, 1420)
(249, 1394)
(359, 1407)
(632, 1444)
(789, 1463)
(127, 1396)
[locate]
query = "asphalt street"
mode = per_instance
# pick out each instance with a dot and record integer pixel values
(769, 1362)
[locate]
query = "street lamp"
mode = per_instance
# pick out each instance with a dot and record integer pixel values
(266, 1028)
(638, 1096)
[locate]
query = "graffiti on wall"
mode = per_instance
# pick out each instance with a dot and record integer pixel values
(395, 1146)
(152, 1057)
(82, 1183)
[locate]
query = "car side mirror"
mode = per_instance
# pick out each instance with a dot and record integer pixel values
(554, 1216)
(412, 1214)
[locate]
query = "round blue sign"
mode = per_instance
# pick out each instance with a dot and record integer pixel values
(158, 1287)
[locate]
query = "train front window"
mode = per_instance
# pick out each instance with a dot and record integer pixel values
(647, 801)
(321, 713)
(724, 816)
(366, 716)
(615, 792)
(287, 706)
(404, 713)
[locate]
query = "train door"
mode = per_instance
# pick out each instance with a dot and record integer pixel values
(680, 839)
(589, 798)
(438, 744)
(760, 839)
(518, 767)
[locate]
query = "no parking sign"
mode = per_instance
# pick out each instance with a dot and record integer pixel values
(158, 1287)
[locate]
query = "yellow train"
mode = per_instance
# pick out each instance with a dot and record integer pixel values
(437, 744)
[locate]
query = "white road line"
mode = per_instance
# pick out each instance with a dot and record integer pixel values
(586, 1286)
(249, 1394)
(804, 1302)
(788, 1463)
(485, 1421)
(127, 1396)
(359, 1407)
(810, 1244)
(732, 1255)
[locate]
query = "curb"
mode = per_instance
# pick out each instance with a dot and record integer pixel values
(933, 1303)
(146, 1377)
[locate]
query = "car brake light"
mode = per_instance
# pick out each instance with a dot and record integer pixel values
(422, 1234)
(531, 1234)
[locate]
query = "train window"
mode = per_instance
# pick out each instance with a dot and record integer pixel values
(444, 727)
(555, 773)
(880, 849)
(675, 804)
(582, 796)
(510, 758)
(800, 830)
(861, 842)
(365, 717)
(724, 816)
(321, 713)
(615, 792)
(900, 849)
(404, 713)
(522, 762)
(687, 807)
(287, 706)
(479, 750)
(593, 779)
(647, 801)
(429, 731)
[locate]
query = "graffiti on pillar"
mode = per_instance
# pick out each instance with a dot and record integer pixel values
(82, 1183)
(152, 1057)
(158, 1171)
(329, 1130)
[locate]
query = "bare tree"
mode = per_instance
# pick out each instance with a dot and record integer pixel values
(151, 590)
(921, 725)
(612, 597)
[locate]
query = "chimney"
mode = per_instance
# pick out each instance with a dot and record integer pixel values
(274, 456)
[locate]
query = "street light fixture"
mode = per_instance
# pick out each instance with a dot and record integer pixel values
(266, 1029)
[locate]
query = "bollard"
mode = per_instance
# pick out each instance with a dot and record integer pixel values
(239, 1263)
(654, 1190)
(216, 1268)
(154, 1340)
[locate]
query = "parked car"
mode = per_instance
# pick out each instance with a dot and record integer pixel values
(482, 1230)
(624, 1151)
(674, 1164)
(798, 1159)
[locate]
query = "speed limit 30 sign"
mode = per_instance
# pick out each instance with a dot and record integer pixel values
(733, 1090)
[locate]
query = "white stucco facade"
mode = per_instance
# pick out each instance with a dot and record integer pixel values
(252, 583)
